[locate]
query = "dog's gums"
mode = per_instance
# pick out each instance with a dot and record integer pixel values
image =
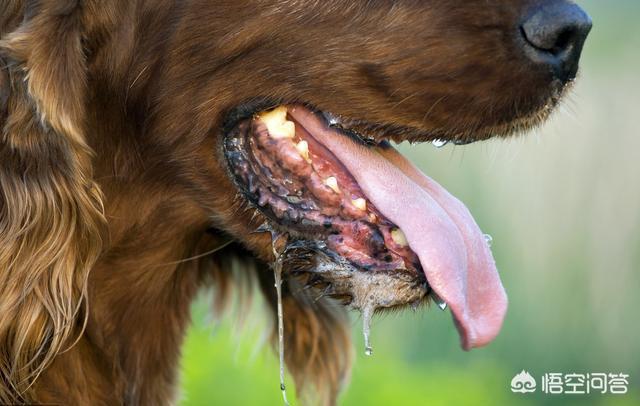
(338, 240)
(300, 185)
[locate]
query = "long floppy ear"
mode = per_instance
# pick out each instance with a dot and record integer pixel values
(51, 218)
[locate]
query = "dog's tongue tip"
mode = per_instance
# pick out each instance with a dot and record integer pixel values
(476, 332)
(457, 261)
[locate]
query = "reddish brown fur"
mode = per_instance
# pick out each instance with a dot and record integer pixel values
(119, 104)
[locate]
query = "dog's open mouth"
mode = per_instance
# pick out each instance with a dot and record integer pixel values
(365, 224)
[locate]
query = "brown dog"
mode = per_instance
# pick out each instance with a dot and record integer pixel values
(136, 162)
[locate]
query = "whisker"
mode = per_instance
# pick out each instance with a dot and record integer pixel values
(202, 255)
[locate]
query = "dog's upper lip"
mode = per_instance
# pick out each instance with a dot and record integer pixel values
(454, 255)
(336, 122)
(350, 127)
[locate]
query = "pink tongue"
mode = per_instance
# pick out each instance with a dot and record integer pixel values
(455, 257)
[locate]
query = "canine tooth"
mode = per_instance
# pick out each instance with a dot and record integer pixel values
(398, 237)
(277, 123)
(303, 149)
(288, 129)
(332, 182)
(277, 115)
(360, 203)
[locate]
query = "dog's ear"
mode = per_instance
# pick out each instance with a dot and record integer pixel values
(51, 217)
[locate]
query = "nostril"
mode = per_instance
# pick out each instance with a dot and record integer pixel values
(555, 33)
(563, 41)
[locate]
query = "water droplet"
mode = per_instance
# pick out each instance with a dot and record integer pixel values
(367, 315)
(488, 239)
(439, 143)
(332, 120)
(466, 141)
(438, 301)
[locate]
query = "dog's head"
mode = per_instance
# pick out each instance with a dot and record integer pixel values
(274, 114)
(300, 99)
(305, 133)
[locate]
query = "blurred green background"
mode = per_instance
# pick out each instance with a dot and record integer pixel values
(563, 207)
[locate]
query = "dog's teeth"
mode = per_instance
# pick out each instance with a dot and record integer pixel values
(398, 237)
(277, 123)
(332, 182)
(288, 129)
(360, 203)
(303, 149)
(275, 116)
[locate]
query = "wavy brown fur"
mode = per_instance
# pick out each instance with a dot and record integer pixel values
(50, 208)
(120, 104)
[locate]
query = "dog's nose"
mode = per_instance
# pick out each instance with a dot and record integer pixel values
(554, 33)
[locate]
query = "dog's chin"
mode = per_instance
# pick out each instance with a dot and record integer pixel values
(355, 221)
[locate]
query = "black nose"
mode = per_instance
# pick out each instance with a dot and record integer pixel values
(554, 34)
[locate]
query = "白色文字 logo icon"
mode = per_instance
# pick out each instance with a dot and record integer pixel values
(523, 383)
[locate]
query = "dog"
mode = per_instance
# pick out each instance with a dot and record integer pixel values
(151, 148)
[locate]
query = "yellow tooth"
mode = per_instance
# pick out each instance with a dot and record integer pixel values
(360, 203)
(332, 182)
(277, 123)
(274, 117)
(398, 237)
(303, 149)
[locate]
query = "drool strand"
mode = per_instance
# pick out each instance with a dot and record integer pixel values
(367, 315)
(277, 272)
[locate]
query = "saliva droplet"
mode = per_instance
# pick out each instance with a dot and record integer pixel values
(442, 305)
(277, 273)
(488, 239)
(367, 314)
(439, 143)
